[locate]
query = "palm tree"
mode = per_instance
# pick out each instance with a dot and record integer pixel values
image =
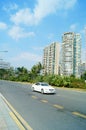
(36, 70)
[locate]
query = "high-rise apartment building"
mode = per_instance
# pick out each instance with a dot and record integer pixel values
(83, 68)
(71, 54)
(51, 58)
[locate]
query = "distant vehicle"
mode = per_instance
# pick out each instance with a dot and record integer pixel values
(42, 87)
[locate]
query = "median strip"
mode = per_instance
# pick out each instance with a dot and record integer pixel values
(79, 114)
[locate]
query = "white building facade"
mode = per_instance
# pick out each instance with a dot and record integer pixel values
(71, 54)
(51, 58)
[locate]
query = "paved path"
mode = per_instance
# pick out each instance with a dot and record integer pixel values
(6, 120)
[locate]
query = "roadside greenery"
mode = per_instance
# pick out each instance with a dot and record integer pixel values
(34, 75)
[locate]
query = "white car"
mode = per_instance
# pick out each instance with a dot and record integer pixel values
(42, 87)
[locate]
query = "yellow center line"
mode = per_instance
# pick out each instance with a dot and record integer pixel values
(17, 121)
(79, 114)
(58, 106)
(17, 115)
(34, 97)
(45, 101)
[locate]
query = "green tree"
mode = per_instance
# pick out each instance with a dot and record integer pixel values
(3, 74)
(83, 76)
(21, 74)
(36, 70)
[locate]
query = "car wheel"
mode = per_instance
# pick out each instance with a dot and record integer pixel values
(42, 91)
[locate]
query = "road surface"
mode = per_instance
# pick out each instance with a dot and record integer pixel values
(65, 110)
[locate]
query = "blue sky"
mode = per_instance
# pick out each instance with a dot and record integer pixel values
(27, 26)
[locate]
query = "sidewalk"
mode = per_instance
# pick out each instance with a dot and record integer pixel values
(6, 121)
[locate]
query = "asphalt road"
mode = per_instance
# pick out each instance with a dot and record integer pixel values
(65, 110)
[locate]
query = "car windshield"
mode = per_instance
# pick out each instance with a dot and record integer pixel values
(44, 84)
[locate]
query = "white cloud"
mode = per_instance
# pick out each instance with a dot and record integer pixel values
(3, 25)
(28, 56)
(25, 59)
(44, 8)
(17, 32)
(10, 6)
(69, 4)
(41, 10)
(73, 27)
(50, 36)
(23, 16)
